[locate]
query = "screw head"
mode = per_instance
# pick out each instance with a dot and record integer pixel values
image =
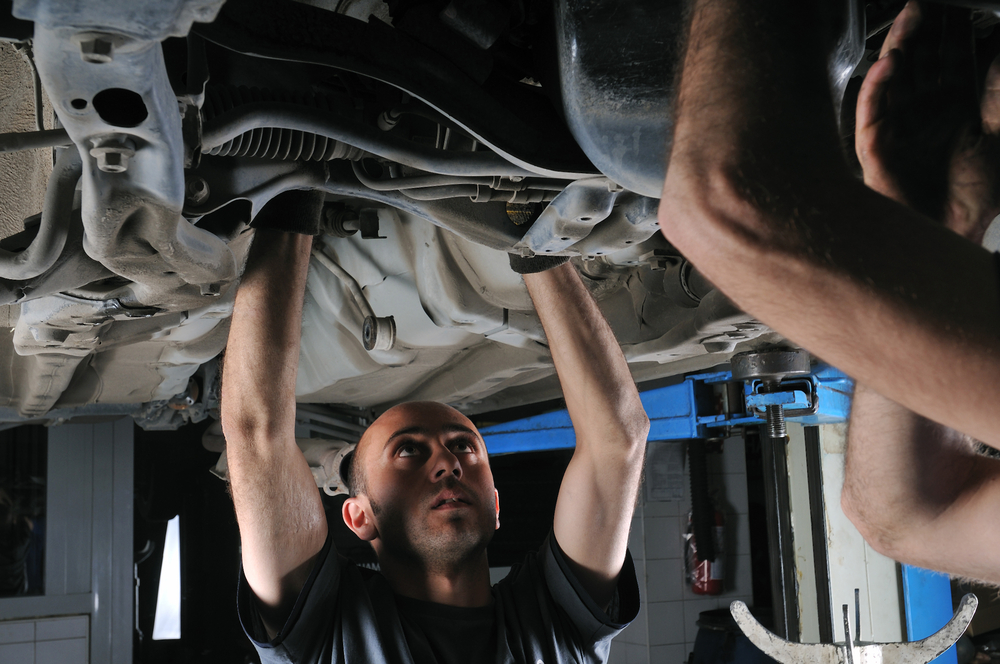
(112, 158)
(113, 162)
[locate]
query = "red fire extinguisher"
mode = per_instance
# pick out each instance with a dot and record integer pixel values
(706, 576)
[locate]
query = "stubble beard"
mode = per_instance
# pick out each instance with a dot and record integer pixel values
(441, 549)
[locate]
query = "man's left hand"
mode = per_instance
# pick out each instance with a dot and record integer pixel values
(923, 138)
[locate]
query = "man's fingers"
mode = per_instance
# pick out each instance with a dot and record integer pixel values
(872, 101)
(902, 28)
(990, 107)
(871, 110)
(872, 96)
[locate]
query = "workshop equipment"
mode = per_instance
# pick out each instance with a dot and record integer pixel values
(855, 651)
(704, 546)
(768, 368)
(706, 574)
(717, 405)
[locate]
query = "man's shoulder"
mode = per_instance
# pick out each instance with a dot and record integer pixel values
(545, 610)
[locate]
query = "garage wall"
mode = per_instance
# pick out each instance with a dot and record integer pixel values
(666, 626)
(88, 559)
(62, 640)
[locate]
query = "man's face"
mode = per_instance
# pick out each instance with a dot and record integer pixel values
(429, 488)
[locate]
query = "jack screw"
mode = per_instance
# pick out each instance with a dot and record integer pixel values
(774, 414)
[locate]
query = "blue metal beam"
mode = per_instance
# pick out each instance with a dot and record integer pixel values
(673, 412)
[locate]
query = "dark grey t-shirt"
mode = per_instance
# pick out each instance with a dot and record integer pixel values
(349, 615)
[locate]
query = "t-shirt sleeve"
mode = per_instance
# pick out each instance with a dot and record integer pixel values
(593, 623)
(305, 635)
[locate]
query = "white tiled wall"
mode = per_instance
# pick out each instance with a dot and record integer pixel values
(664, 632)
(45, 641)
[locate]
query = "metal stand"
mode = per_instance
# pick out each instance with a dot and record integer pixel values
(853, 650)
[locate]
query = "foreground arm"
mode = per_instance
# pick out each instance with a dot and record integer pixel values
(917, 490)
(598, 492)
(281, 518)
(758, 196)
(919, 493)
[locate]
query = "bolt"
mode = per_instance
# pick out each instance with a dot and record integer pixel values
(369, 333)
(774, 414)
(113, 157)
(378, 333)
(97, 50)
(776, 422)
(339, 221)
(387, 120)
(196, 191)
(113, 162)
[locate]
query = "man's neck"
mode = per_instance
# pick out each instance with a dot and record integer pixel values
(465, 585)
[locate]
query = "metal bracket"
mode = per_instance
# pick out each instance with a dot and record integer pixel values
(792, 392)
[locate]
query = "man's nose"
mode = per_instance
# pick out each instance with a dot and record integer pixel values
(445, 464)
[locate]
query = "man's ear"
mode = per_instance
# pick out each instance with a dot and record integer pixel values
(356, 513)
(497, 495)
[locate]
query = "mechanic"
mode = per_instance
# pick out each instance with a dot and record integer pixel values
(423, 494)
(760, 198)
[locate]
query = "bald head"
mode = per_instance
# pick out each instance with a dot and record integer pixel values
(422, 415)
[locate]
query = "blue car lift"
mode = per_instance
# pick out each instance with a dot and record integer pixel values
(689, 410)
(696, 408)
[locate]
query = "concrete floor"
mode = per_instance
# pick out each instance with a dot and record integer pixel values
(23, 175)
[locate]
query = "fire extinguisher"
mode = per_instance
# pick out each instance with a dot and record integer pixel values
(704, 549)
(706, 576)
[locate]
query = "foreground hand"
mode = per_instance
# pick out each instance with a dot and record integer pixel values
(923, 136)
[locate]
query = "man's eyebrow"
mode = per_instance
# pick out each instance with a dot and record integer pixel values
(459, 428)
(423, 431)
(407, 431)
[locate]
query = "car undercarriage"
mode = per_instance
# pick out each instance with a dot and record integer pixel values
(445, 134)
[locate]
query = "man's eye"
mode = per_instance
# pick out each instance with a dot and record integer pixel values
(463, 446)
(408, 450)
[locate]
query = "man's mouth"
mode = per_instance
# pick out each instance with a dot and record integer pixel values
(450, 501)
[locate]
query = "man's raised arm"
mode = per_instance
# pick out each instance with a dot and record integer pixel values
(598, 492)
(278, 507)
(915, 488)
(759, 197)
